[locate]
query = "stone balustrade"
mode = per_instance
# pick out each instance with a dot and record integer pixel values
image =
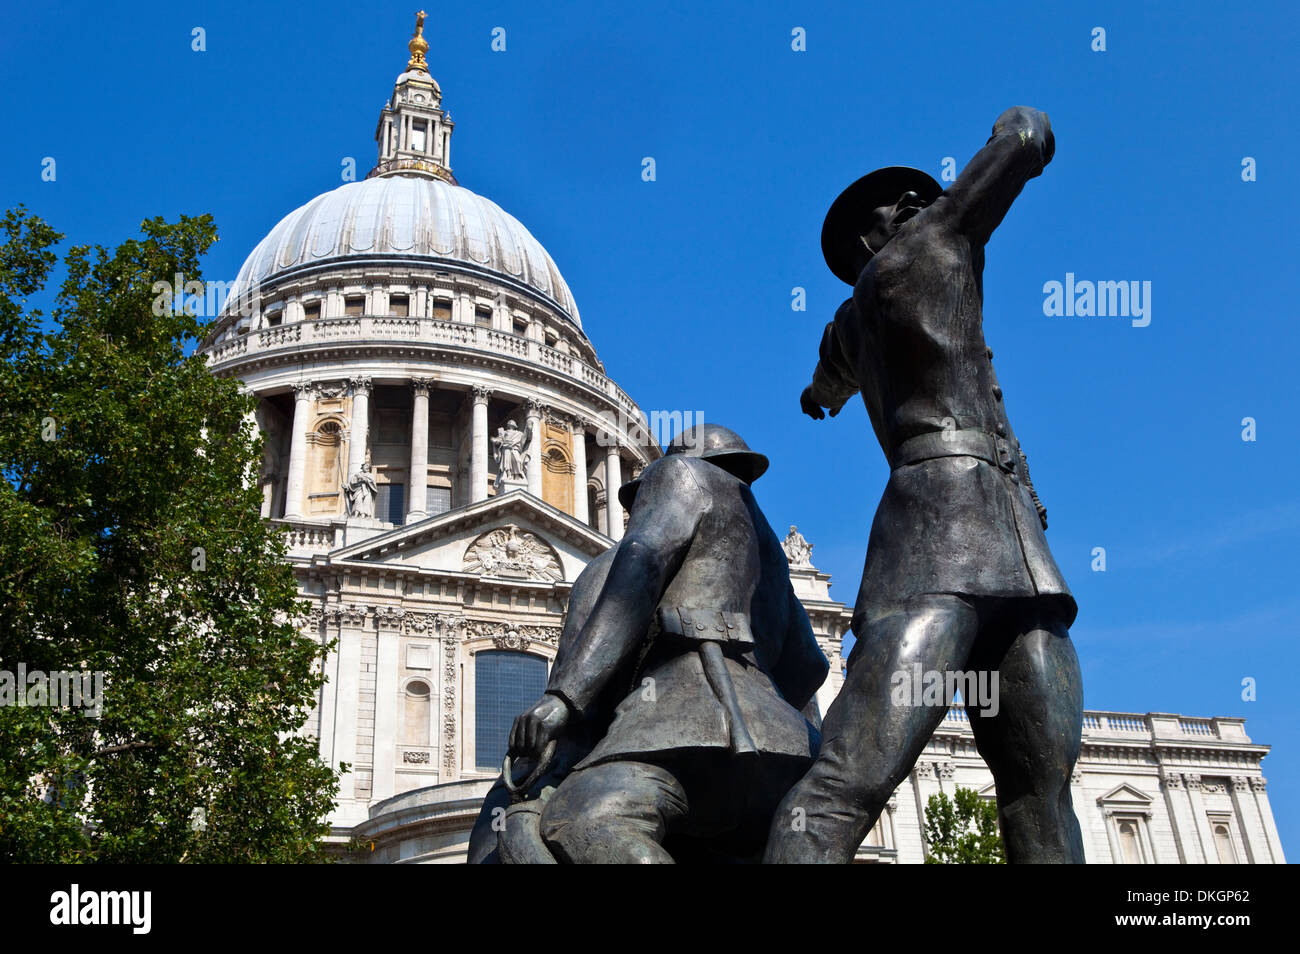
(433, 331)
(1136, 725)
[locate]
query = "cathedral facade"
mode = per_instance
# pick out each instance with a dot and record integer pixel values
(443, 449)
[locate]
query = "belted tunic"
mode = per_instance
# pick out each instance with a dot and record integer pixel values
(959, 513)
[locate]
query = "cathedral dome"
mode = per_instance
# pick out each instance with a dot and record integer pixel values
(408, 219)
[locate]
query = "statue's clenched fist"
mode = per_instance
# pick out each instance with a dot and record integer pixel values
(539, 725)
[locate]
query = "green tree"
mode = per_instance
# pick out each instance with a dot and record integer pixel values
(131, 544)
(963, 831)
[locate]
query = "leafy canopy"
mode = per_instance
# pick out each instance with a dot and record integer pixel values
(963, 831)
(131, 544)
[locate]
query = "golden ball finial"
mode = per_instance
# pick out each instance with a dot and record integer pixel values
(418, 46)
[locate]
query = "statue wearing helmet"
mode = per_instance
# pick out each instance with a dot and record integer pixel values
(672, 719)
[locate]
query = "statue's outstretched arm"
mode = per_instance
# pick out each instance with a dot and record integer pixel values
(1020, 148)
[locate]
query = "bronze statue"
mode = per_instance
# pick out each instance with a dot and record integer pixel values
(958, 573)
(672, 719)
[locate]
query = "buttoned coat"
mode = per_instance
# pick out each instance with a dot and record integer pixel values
(911, 342)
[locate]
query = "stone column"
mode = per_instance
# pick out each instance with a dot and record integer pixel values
(384, 755)
(302, 398)
(924, 784)
(613, 480)
(478, 455)
(1247, 820)
(1180, 820)
(419, 451)
(1192, 782)
(580, 470)
(1259, 787)
(346, 691)
(359, 428)
(533, 415)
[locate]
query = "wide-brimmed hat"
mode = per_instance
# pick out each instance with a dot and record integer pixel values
(718, 445)
(847, 219)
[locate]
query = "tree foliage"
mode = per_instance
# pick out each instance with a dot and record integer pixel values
(131, 544)
(962, 831)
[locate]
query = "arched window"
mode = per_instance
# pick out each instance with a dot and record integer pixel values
(415, 730)
(1223, 844)
(1130, 845)
(505, 684)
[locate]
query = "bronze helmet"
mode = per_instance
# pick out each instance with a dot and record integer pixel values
(842, 230)
(716, 444)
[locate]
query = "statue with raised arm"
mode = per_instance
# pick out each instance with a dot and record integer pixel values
(673, 719)
(958, 576)
(510, 451)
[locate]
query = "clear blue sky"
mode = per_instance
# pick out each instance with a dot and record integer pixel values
(684, 283)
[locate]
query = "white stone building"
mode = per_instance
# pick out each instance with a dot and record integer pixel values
(392, 330)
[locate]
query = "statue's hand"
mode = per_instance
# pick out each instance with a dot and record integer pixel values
(539, 725)
(1026, 120)
(810, 406)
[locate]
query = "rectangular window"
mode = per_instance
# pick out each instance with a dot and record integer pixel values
(354, 305)
(442, 309)
(418, 140)
(505, 684)
(399, 305)
(311, 311)
(521, 327)
(437, 500)
(483, 317)
(389, 503)
(273, 320)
